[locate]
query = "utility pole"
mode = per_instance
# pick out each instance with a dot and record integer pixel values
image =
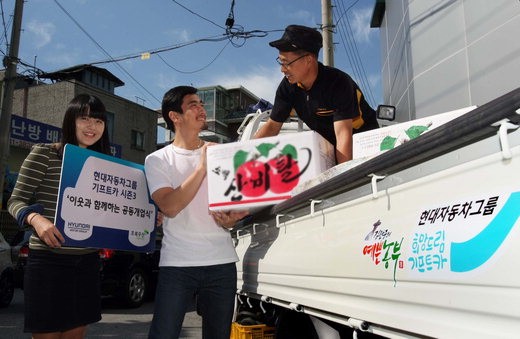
(327, 28)
(9, 82)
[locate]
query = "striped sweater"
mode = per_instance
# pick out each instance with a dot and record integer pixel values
(38, 182)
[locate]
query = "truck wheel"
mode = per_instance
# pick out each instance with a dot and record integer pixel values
(6, 289)
(135, 288)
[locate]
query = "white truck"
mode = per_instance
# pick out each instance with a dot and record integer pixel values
(419, 241)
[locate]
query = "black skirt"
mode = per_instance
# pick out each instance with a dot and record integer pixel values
(61, 291)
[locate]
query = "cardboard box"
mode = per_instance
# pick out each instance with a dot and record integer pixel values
(261, 172)
(367, 145)
(374, 142)
(328, 174)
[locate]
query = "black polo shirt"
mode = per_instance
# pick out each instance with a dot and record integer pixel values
(334, 96)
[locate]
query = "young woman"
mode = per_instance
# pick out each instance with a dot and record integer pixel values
(61, 285)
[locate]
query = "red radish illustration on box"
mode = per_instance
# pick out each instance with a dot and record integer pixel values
(268, 168)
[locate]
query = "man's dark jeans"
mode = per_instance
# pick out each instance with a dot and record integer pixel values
(215, 287)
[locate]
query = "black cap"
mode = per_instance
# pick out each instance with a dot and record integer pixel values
(298, 37)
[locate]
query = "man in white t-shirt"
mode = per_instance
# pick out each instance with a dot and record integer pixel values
(197, 253)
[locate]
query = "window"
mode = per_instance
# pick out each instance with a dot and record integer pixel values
(137, 140)
(209, 104)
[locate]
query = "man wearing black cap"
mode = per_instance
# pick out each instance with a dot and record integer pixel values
(325, 98)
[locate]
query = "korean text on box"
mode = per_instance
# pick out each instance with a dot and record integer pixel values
(262, 172)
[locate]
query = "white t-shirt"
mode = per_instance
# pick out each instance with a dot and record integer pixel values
(191, 238)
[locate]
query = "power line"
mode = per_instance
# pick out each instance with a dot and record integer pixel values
(197, 70)
(350, 46)
(200, 16)
(159, 50)
(104, 51)
(345, 12)
(360, 65)
(349, 40)
(215, 38)
(235, 35)
(231, 35)
(6, 26)
(230, 21)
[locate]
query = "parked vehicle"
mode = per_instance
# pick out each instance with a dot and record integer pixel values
(6, 273)
(128, 276)
(20, 251)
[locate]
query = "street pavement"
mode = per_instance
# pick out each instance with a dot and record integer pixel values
(117, 322)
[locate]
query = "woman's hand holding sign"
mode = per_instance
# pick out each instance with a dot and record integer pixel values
(46, 230)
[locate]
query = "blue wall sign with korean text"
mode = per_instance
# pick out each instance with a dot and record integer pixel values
(26, 132)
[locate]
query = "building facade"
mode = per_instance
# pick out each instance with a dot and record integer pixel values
(225, 109)
(442, 55)
(38, 111)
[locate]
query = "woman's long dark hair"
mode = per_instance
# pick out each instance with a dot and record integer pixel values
(84, 105)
